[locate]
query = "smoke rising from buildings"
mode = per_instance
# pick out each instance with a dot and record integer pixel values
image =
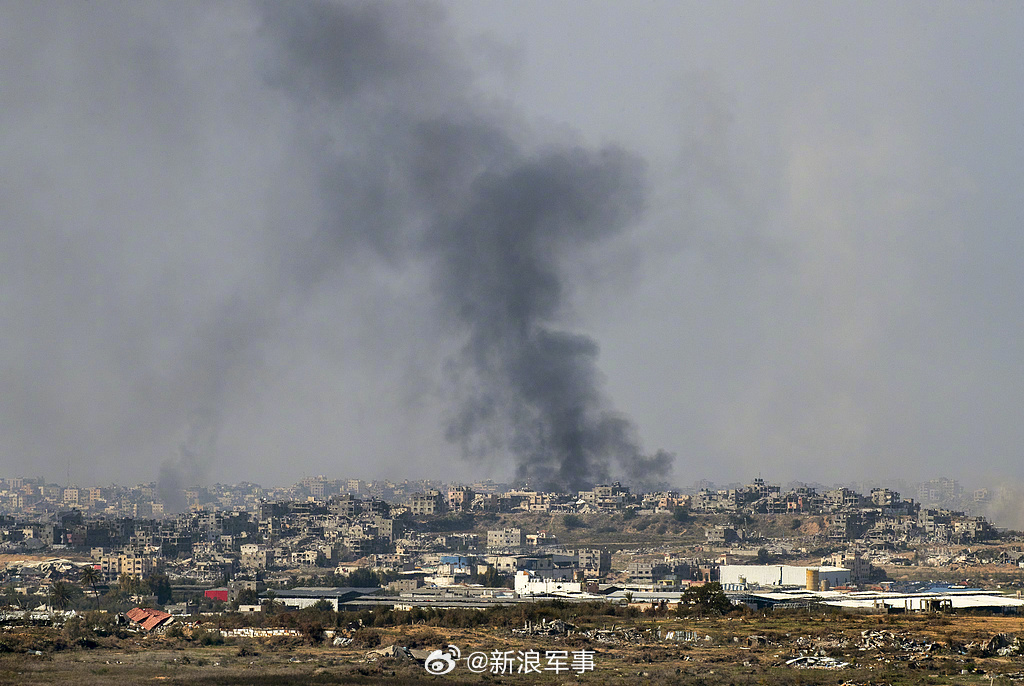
(446, 181)
(190, 191)
(526, 385)
(263, 240)
(385, 156)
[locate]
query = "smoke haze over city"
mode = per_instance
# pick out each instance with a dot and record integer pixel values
(567, 242)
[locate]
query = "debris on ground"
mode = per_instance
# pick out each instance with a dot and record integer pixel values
(556, 627)
(395, 652)
(817, 662)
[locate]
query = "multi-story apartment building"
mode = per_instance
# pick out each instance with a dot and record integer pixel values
(505, 539)
(427, 503)
(254, 556)
(460, 498)
(594, 560)
(113, 566)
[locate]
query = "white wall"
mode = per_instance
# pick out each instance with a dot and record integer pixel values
(527, 584)
(781, 575)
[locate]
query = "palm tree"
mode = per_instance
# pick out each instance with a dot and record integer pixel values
(12, 596)
(60, 594)
(270, 603)
(90, 576)
(130, 584)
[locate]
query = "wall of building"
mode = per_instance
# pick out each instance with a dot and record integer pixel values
(527, 584)
(781, 575)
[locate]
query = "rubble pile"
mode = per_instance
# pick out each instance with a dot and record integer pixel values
(889, 641)
(1003, 645)
(805, 643)
(615, 636)
(817, 662)
(394, 652)
(684, 636)
(612, 636)
(556, 627)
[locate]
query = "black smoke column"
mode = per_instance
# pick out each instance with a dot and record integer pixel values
(412, 168)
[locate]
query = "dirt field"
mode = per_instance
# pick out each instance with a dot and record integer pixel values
(749, 650)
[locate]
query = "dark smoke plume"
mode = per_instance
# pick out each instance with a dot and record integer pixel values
(524, 382)
(412, 168)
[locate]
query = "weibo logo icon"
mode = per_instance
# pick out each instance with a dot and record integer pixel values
(439, 662)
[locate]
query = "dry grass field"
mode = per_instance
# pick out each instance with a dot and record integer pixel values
(749, 649)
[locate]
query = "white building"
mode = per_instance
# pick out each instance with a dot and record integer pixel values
(783, 575)
(528, 584)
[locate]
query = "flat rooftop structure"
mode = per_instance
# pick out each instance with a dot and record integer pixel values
(307, 596)
(325, 591)
(458, 590)
(944, 599)
(475, 602)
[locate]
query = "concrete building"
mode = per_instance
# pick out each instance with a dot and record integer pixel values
(113, 566)
(541, 538)
(721, 535)
(429, 503)
(931, 520)
(460, 498)
(735, 576)
(345, 505)
(527, 583)
(605, 497)
(594, 561)
(883, 497)
(646, 572)
(859, 567)
(505, 539)
(253, 556)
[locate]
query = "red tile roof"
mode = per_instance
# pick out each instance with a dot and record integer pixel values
(147, 617)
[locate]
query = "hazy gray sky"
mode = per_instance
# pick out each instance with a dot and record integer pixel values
(261, 241)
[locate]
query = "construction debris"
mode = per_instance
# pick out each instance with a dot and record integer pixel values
(395, 652)
(683, 636)
(1003, 645)
(555, 627)
(615, 636)
(817, 662)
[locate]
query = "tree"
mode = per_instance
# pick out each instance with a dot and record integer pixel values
(740, 519)
(12, 596)
(363, 577)
(764, 557)
(323, 605)
(572, 521)
(270, 604)
(60, 595)
(705, 599)
(91, 576)
(160, 585)
(682, 515)
(247, 596)
(312, 630)
(129, 584)
(492, 578)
